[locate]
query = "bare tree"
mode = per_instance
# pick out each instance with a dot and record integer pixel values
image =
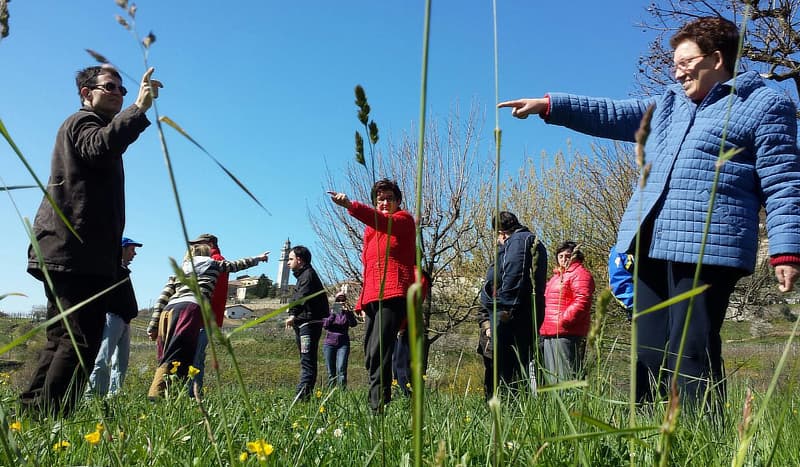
(452, 213)
(771, 42)
(579, 197)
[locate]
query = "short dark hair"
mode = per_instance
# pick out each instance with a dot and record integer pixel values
(385, 184)
(87, 77)
(505, 222)
(711, 33)
(303, 253)
(572, 247)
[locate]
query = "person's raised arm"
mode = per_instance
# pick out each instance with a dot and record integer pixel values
(521, 108)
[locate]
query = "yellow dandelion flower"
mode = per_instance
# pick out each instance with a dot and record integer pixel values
(16, 426)
(424, 377)
(174, 368)
(318, 393)
(243, 457)
(92, 438)
(259, 447)
(193, 371)
(142, 417)
(467, 419)
(61, 445)
(395, 383)
(321, 409)
(408, 385)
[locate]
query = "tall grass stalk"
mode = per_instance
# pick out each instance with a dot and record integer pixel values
(496, 443)
(415, 293)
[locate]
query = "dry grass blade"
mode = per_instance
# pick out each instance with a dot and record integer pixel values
(180, 130)
(15, 294)
(16, 187)
(267, 316)
(24, 161)
(676, 299)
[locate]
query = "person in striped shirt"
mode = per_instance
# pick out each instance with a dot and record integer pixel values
(177, 320)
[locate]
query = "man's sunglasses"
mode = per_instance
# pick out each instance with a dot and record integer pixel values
(110, 87)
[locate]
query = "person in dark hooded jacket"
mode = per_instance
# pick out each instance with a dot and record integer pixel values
(521, 273)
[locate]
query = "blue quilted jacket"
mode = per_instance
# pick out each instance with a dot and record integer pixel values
(683, 148)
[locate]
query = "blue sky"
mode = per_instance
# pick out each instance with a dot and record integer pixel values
(267, 88)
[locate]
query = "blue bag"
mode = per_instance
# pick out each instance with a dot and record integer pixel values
(620, 278)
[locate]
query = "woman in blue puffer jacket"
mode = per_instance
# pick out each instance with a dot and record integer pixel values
(710, 111)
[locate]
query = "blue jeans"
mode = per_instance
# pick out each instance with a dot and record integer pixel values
(114, 353)
(336, 363)
(199, 363)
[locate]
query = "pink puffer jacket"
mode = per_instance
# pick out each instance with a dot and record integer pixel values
(568, 302)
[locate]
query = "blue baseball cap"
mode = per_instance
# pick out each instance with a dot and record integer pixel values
(128, 241)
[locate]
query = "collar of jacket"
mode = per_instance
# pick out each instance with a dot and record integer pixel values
(301, 270)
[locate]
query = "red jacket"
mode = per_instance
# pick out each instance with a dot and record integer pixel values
(402, 252)
(220, 295)
(568, 302)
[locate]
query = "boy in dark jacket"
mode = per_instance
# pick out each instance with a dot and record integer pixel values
(306, 318)
(521, 273)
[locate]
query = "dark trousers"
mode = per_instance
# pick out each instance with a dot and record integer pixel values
(401, 363)
(307, 337)
(659, 333)
(382, 323)
(59, 380)
(514, 348)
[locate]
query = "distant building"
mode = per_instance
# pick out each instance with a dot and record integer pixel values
(238, 312)
(283, 267)
(247, 281)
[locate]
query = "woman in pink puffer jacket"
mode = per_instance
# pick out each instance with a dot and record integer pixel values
(567, 315)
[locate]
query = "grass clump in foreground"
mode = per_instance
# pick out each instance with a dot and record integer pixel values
(583, 426)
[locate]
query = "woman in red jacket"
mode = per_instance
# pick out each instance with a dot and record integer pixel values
(387, 226)
(568, 305)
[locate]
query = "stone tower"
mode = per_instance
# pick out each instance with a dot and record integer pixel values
(283, 267)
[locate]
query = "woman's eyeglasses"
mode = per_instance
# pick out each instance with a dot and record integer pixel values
(110, 87)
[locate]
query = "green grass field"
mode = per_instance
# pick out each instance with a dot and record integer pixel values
(586, 426)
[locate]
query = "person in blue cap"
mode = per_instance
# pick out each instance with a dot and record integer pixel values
(111, 363)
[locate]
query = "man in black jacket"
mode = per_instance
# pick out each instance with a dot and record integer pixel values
(521, 273)
(306, 318)
(87, 184)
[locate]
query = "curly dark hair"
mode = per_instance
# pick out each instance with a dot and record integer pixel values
(711, 33)
(385, 184)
